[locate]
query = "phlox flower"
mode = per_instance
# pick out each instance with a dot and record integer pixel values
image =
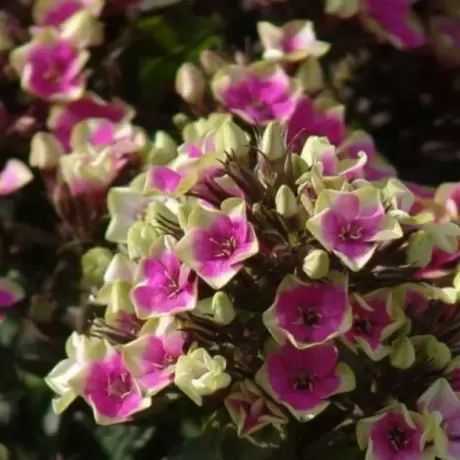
(351, 224)
(250, 410)
(109, 388)
(395, 434)
(14, 176)
(304, 380)
(50, 66)
(308, 314)
(198, 374)
(63, 118)
(167, 285)
(375, 317)
(321, 117)
(293, 41)
(259, 93)
(152, 357)
(217, 242)
(169, 181)
(443, 404)
(80, 350)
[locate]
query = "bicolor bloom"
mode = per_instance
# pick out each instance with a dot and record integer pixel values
(152, 359)
(445, 38)
(448, 196)
(14, 176)
(168, 286)
(375, 317)
(312, 118)
(217, 242)
(110, 389)
(441, 401)
(80, 350)
(351, 224)
(51, 67)
(168, 181)
(250, 410)
(393, 21)
(395, 434)
(293, 41)
(56, 12)
(304, 380)
(259, 93)
(121, 138)
(198, 374)
(308, 314)
(63, 118)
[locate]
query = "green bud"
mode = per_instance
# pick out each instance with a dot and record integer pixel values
(94, 263)
(316, 264)
(190, 83)
(402, 353)
(219, 308)
(310, 75)
(437, 352)
(286, 202)
(419, 249)
(272, 144)
(163, 150)
(141, 236)
(230, 138)
(211, 62)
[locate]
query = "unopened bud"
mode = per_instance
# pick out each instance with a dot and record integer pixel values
(272, 144)
(45, 151)
(219, 308)
(211, 62)
(190, 83)
(230, 138)
(94, 264)
(141, 236)
(286, 202)
(419, 249)
(316, 264)
(402, 353)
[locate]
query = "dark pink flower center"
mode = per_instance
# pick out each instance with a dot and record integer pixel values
(351, 231)
(311, 316)
(398, 438)
(224, 248)
(120, 385)
(362, 326)
(305, 381)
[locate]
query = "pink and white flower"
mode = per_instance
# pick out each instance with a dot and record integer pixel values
(152, 357)
(352, 224)
(308, 314)
(168, 286)
(56, 12)
(304, 380)
(217, 242)
(293, 41)
(63, 118)
(443, 404)
(395, 434)
(319, 118)
(14, 176)
(168, 181)
(259, 93)
(51, 67)
(250, 410)
(110, 389)
(375, 317)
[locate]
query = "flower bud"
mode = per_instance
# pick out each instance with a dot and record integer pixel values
(94, 264)
(437, 352)
(164, 149)
(286, 202)
(316, 264)
(211, 61)
(419, 249)
(310, 75)
(219, 308)
(141, 236)
(230, 138)
(402, 353)
(190, 83)
(272, 144)
(45, 151)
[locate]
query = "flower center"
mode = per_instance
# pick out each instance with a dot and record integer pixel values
(225, 248)
(362, 326)
(120, 386)
(305, 381)
(398, 438)
(350, 232)
(311, 317)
